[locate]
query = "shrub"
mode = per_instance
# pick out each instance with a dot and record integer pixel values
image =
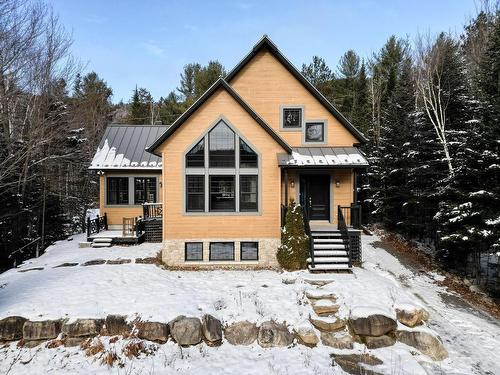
(294, 250)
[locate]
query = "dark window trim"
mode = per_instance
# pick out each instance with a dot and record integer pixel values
(108, 178)
(187, 194)
(299, 128)
(210, 209)
(241, 251)
(219, 260)
(146, 190)
(256, 193)
(185, 252)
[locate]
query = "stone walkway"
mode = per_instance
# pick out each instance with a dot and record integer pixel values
(96, 262)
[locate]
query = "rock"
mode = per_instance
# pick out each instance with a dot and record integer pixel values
(273, 334)
(288, 280)
(320, 294)
(117, 325)
(373, 325)
(317, 282)
(306, 335)
(337, 340)
(153, 331)
(94, 262)
(425, 342)
(241, 333)
(375, 342)
(31, 269)
(118, 261)
(324, 307)
(11, 328)
(328, 324)
(185, 331)
(411, 317)
(83, 327)
(41, 330)
(149, 260)
(66, 265)
(73, 341)
(30, 344)
(354, 363)
(212, 330)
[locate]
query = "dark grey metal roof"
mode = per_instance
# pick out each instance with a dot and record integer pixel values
(124, 147)
(323, 157)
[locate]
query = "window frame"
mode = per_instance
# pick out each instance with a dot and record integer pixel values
(325, 132)
(236, 172)
(134, 178)
(108, 190)
(187, 194)
(282, 118)
(221, 260)
(241, 251)
(186, 251)
(246, 192)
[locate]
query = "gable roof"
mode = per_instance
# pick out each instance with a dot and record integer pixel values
(220, 83)
(123, 147)
(266, 43)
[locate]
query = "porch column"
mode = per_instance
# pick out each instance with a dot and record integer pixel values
(286, 187)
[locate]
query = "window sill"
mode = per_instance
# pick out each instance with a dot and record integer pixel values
(223, 213)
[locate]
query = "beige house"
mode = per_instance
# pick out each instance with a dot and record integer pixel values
(221, 175)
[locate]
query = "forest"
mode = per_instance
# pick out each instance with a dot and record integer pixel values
(429, 105)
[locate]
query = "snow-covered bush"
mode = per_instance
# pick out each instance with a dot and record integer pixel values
(294, 249)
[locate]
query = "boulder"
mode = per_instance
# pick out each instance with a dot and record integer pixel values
(354, 363)
(425, 342)
(241, 333)
(373, 325)
(306, 335)
(317, 282)
(320, 294)
(41, 330)
(73, 341)
(337, 340)
(83, 327)
(212, 330)
(94, 262)
(328, 324)
(411, 317)
(375, 342)
(324, 307)
(273, 334)
(117, 325)
(185, 331)
(11, 328)
(153, 331)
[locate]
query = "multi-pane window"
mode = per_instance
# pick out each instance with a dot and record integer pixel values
(117, 190)
(195, 193)
(196, 156)
(194, 251)
(292, 118)
(249, 251)
(248, 193)
(144, 190)
(224, 177)
(221, 251)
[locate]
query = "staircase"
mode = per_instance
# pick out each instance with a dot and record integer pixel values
(102, 242)
(330, 251)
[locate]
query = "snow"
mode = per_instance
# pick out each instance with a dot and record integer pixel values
(379, 287)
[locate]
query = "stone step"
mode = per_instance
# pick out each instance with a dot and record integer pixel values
(328, 240)
(329, 260)
(101, 244)
(329, 267)
(102, 240)
(329, 247)
(329, 253)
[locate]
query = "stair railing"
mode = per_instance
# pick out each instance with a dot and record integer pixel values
(307, 228)
(342, 226)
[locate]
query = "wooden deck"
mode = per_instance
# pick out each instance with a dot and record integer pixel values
(117, 237)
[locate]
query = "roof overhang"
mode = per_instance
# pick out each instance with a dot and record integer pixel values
(323, 157)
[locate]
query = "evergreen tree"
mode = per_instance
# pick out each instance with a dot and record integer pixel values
(141, 107)
(321, 76)
(170, 108)
(294, 249)
(349, 69)
(188, 81)
(361, 116)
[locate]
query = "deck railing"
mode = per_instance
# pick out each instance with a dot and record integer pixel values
(342, 226)
(352, 215)
(97, 224)
(152, 210)
(307, 228)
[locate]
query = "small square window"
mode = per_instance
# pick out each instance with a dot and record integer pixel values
(194, 251)
(221, 251)
(315, 132)
(292, 118)
(249, 250)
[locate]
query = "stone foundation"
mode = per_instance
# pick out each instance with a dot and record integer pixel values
(173, 254)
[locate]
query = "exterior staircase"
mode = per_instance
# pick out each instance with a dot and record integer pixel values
(331, 252)
(102, 242)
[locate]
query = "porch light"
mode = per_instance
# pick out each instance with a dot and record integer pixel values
(292, 183)
(337, 183)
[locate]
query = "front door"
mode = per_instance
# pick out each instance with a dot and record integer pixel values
(315, 196)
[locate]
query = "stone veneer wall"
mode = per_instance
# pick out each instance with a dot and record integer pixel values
(173, 253)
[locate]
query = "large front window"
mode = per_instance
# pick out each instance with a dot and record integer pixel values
(117, 190)
(225, 178)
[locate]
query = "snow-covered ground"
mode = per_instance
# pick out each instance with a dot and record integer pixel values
(383, 284)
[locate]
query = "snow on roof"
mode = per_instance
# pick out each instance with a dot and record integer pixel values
(323, 157)
(123, 147)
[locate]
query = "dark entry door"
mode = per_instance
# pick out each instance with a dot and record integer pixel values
(315, 196)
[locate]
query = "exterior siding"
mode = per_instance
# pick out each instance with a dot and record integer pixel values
(265, 84)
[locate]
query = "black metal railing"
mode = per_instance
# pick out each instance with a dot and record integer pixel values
(342, 226)
(139, 226)
(152, 210)
(97, 224)
(307, 228)
(352, 215)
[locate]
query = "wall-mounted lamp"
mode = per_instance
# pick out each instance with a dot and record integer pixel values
(337, 183)
(160, 184)
(100, 173)
(292, 183)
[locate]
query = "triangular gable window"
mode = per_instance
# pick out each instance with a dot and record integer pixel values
(248, 157)
(195, 158)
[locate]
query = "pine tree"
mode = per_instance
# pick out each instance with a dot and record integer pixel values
(141, 107)
(294, 250)
(361, 116)
(349, 70)
(321, 76)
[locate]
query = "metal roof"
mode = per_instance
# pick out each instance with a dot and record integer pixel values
(323, 157)
(124, 147)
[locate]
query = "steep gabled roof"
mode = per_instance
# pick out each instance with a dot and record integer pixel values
(220, 83)
(123, 147)
(266, 43)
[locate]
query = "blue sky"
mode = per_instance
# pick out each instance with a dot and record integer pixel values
(148, 42)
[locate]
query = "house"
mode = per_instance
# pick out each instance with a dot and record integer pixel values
(223, 172)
